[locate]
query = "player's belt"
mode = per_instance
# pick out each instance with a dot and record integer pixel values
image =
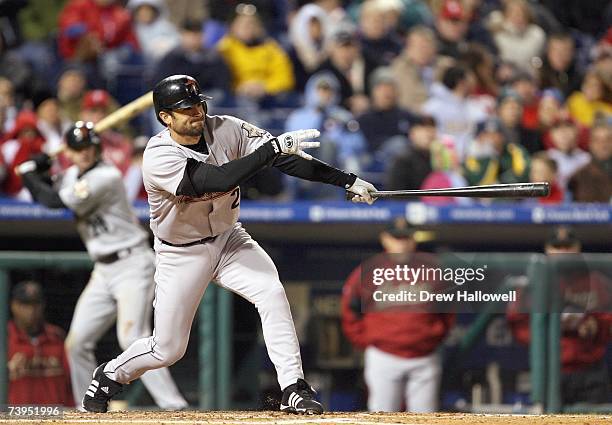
(183, 245)
(115, 256)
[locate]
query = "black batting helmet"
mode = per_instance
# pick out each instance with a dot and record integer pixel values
(176, 92)
(82, 135)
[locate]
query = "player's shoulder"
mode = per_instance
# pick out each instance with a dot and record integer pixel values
(160, 145)
(105, 170)
(237, 125)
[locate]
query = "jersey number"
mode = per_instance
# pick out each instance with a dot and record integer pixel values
(236, 193)
(97, 225)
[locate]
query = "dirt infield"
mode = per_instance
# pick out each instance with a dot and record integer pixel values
(258, 418)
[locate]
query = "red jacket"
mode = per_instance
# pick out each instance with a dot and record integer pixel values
(555, 197)
(111, 25)
(16, 149)
(576, 352)
(38, 369)
(402, 333)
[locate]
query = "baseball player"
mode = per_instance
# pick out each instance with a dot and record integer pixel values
(192, 171)
(121, 284)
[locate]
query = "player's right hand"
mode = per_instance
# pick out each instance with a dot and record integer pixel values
(293, 142)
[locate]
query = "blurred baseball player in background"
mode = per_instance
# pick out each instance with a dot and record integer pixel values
(192, 171)
(121, 286)
(586, 326)
(402, 368)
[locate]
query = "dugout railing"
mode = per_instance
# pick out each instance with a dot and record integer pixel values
(215, 312)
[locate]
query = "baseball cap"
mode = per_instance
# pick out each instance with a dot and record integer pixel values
(382, 75)
(509, 94)
(491, 125)
(400, 228)
(96, 99)
(562, 236)
(344, 35)
(28, 292)
(423, 120)
(452, 9)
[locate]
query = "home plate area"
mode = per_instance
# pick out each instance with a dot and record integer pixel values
(257, 418)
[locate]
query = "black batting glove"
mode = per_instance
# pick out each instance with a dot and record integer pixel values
(43, 162)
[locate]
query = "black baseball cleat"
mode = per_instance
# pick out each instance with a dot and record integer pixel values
(300, 398)
(100, 391)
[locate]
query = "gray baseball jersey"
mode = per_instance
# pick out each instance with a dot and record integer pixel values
(183, 219)
(105, 219)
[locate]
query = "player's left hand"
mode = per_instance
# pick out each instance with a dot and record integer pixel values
(293, 142)
(362, 189)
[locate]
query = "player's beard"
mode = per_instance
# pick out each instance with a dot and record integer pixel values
(193, 128)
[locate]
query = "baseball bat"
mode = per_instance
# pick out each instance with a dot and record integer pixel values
(513, 190)
(121, 115)
(118, 117)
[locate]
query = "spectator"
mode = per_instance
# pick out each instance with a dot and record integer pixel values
(401, 15)
(455, 114)
(451, 28)
(510, 112)
(593, 182)
(565, 151)
(593, 99)
(307, 35)
(155, 33)
(191, 58)
(37, 363)
(478, 33)
(379, 42)
(84, 29)
(385, 119)
(446, 172)
(414, 68)
(408, 171)
(8, 107)
(50, 123)
(259, 66)
(525, 86)
(550, 108)
(116, 146)
(544, 169)
(20, 143)
(350, 68)
(401, 366)
(482, 63)
(518, 38)
(15, 69)
(342, 143)
(559, 69)
(585, 333)
(38, 25)
(71, 87)
(492, 159)
(180, 11)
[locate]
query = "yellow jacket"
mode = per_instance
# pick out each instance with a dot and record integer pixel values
(584, 111)
(266, 62)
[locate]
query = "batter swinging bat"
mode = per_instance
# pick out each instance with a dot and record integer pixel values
(514, 190)
(121, 115)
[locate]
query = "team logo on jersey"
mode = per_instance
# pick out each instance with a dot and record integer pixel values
(252, 131)
(81, 189)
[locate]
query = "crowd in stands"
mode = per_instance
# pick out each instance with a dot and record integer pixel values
(408, 93)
